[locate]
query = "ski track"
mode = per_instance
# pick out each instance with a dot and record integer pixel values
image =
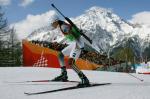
(123, 85)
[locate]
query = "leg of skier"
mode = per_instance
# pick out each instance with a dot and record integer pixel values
(66, 51)
(74, 55)
(63, 76)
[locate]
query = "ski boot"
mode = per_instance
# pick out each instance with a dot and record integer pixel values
(62, 77)
(84, 81)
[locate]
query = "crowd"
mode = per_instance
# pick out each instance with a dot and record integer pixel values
(52, 45)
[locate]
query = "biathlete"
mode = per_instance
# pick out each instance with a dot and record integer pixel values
(73, 50)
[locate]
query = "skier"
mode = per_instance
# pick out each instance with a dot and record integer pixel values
(73, 50)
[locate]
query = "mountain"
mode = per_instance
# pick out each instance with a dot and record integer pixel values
(106, 29)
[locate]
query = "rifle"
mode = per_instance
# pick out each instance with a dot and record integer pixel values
(71, 23)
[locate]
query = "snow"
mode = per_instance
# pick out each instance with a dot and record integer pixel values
(123, 85)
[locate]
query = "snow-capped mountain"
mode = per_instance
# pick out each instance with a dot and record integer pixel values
(106, 29)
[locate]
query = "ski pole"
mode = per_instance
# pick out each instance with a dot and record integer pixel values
(136, 77)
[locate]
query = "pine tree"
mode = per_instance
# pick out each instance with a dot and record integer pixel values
(125, 53)
(10, 47)
(3, 26)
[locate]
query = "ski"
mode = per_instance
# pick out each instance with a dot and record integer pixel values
(38, 81)
(64, 89)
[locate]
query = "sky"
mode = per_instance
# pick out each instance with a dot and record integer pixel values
(23, 13)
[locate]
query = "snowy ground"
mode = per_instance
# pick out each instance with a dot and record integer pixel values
(123, 85)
